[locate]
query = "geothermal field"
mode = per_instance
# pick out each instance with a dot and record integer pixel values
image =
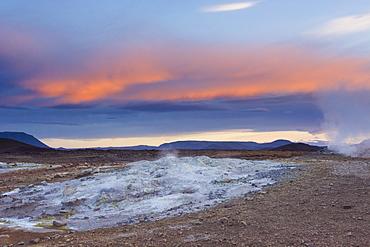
(220, 198)
(185, 123)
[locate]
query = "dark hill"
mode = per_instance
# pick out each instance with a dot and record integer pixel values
(226, 145)
(23, 137)
(12, 146)
(275, 144)
(297, 147)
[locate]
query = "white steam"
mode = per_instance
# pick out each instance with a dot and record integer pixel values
(347, 121)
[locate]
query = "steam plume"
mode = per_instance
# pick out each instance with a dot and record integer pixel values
(347, 121)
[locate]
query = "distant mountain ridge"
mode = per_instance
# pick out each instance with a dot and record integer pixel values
(207, 145)
(222, 145)
(23, 137)
(194, 145)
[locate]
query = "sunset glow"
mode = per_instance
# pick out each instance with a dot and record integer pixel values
(129, 73)
(226, 135)
(208, 74)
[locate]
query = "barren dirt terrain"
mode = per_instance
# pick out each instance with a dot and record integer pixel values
(325, 202)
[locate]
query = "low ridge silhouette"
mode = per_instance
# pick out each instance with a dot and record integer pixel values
(23, 137)
(13, 146)
(297, 147)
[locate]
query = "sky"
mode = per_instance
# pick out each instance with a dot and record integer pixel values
(95, 73)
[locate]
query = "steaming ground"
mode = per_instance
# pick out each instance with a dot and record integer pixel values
(355, 150)
(147, 191)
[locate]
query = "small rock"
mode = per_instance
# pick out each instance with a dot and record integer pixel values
(228, 205)
(347, 207)
(197, 223)
(4, 236)
(55, 236)
(58, 175)
(84, 173)
(21, 243)
(349, 234)
(59, 222)
(223, 220)
(96, 170)
(35, 241)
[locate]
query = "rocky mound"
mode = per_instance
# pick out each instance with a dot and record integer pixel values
(12, 146)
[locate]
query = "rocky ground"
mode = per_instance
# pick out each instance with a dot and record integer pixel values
(324, 203)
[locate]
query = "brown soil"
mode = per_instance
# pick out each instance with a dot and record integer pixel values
(325, 203)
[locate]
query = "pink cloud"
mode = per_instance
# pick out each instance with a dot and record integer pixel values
(173, 73)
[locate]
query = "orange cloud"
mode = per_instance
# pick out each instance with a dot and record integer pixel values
(99, 81)
(234, 73)
(194, 73)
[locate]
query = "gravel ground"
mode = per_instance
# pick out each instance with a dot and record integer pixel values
(325, 202)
